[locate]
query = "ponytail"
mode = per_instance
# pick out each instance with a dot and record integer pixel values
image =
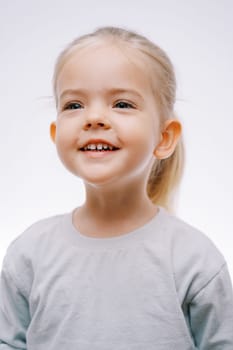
(165, 178)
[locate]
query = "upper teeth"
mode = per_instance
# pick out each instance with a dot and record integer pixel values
(98, 146)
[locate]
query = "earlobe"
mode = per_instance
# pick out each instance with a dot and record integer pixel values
(53, 131)
(169, 139)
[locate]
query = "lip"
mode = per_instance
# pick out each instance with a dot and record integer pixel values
(97, 155)
(96, 141)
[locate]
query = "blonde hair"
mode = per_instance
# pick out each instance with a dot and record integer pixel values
(166, 174)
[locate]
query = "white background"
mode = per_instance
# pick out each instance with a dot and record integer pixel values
(197, 35)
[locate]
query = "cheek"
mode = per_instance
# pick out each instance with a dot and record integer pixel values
(65, 141)
(65, 134)
(66, 150)
(144, 135)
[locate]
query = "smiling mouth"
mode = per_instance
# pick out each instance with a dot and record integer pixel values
(99, 148)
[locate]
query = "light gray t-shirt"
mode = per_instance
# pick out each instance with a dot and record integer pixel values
(163, 286)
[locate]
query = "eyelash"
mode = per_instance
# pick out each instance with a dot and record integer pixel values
(70, 105)
(129, 105)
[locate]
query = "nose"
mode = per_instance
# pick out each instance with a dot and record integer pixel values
(96, 119)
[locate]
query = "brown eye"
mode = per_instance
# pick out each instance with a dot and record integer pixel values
(72, 105)
(123, 105)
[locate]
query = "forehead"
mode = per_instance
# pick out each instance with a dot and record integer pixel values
(100, 65)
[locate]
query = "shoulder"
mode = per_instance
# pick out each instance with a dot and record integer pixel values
(26, 251)
(38, 230)
(194, 257)
(188, 240)
(193, 239)
(25, 247)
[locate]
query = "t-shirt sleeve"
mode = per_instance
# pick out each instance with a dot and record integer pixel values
(211, 313)
(14, 313)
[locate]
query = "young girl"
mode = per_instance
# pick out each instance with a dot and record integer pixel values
(119, 272)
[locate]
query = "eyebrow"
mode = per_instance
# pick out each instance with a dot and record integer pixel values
(112, 91)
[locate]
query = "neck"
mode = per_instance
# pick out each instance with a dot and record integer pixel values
(110, 204)
(110, 211)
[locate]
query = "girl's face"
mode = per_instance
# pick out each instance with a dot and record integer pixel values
(105, 99)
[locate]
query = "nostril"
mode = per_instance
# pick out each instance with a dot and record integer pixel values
(89, 125)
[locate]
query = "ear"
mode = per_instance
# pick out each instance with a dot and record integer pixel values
(53, 129)
(169, 139)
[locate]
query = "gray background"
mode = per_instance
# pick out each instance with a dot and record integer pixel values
(197, 35)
